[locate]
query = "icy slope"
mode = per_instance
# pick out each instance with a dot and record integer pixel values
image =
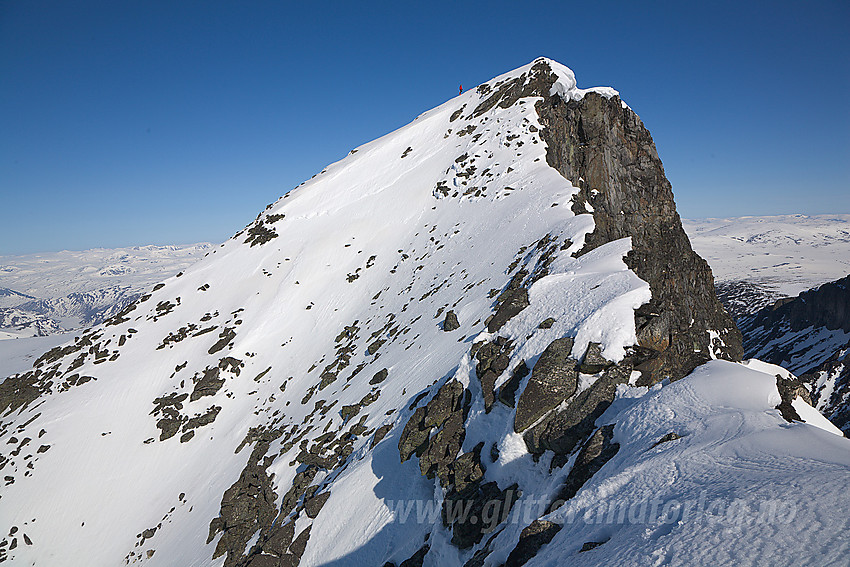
(442, 317)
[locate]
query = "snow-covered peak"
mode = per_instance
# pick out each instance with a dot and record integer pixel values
(424, 321)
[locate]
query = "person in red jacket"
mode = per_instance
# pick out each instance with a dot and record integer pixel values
(461, 90)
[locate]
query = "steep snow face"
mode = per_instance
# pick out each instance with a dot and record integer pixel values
(284, 327)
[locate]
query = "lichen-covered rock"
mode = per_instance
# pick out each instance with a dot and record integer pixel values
(562, 430)
(593, 360)
(554, 378)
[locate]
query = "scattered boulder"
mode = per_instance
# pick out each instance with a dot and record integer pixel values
(593, 360)
(450, 323)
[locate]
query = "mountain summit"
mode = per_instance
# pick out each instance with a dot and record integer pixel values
(438, 351)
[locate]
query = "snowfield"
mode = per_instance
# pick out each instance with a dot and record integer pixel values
(781, 255)
(173, 432)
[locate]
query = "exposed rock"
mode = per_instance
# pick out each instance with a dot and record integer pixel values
(672, 436)
(507, 393)
(207, 384)
(604, 148)
(593, 360)
(493, 359)
(450, 323)
(588, 545)
(835, 405)
(598, 450)
(516, 301)
(247, 506)
(467, 530)
(553, 379)
(417, 558)
(314, 504)
(788, 392)
(414, 436)
(531, 539)
(561, 431)
(379, 377)
(546, 323)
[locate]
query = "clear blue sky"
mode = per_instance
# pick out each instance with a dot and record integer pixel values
(139, 122)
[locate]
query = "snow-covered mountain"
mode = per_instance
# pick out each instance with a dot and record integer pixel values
(758, 260)
(482, 339)
(67, 292)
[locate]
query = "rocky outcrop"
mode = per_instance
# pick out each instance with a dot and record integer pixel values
(602, 147)
(808, 335)
(553, 380)
(825, 309)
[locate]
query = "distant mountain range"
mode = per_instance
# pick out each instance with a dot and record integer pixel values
(45, 294)
(757, 260)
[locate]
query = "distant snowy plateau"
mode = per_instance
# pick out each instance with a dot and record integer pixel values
(757, 260)
(482, 340)
(45, 297)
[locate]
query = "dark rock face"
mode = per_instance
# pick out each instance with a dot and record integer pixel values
(553, 379)
(788, 392)
(562, 431)
(513, 303)
(835, 406)
(531, 539)
(450, 323)
(493, 359)
(604, 149)
(598, 450)
(826, 307)
(805, 334)
(246, 506)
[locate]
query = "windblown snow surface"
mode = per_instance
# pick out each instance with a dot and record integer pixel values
(286, 324)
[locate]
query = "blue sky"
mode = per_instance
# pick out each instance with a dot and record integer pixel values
(125, 123)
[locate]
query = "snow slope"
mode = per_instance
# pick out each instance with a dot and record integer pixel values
(178, 430)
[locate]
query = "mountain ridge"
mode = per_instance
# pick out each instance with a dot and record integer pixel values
(267, 406)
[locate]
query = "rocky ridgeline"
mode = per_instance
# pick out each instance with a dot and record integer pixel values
(602, 147)
(810, 336)
(290, 467)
